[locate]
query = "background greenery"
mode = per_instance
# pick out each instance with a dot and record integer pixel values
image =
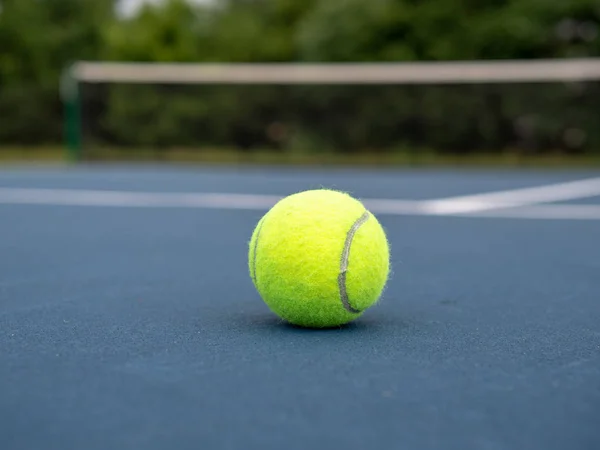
(39, 38)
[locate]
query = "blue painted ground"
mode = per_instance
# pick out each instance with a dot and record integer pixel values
(140, 328)
(585, 201)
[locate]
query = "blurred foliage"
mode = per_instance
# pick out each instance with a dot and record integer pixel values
(39, 38)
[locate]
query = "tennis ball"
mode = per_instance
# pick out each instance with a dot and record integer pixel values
(319, 259)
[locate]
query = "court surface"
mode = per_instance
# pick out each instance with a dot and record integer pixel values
(128, 319)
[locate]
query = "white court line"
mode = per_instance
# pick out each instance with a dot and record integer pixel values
(75, 197)
(517, 203)
(515, 197)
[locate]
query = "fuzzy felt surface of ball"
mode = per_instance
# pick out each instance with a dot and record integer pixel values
(319, 258)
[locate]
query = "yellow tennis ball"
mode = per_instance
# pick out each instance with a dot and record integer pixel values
(319, 259)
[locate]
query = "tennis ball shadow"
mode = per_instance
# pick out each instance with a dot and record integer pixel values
(270, 323)
(348, 327)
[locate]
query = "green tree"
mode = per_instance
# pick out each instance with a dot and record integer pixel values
(37, 40)
(170, 31)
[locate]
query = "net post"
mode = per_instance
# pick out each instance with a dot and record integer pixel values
(69, 89)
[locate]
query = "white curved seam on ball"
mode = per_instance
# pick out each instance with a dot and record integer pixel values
(344, 263)
(254, 277)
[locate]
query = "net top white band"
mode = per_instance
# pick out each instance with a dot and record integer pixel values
(531, 71)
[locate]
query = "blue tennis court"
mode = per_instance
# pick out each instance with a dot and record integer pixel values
(128, 318)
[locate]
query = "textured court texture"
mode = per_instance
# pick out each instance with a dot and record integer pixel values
(128, 328)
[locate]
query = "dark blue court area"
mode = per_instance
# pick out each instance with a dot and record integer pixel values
(128, 319)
